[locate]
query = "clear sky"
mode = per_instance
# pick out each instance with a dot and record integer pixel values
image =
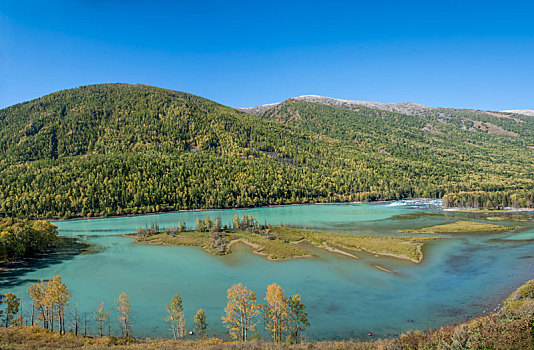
(472, 54)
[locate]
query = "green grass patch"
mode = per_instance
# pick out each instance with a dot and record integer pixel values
(282, 245)
(401, 247)
(522, 298)
(461, 226)
(274, 249)
(496, 218)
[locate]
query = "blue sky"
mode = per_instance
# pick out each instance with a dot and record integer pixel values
(472, 54)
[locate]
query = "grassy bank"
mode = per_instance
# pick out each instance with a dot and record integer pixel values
(282, 242)
(461, 226)
(512, 328)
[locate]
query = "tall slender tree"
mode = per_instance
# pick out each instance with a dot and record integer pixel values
(123, 308)
(101, 316)
(275, 312)
(241, 312)
(37, 292)
(12, 308)
(201, 322)
(58, 296)
(297, 318)
(176, 317)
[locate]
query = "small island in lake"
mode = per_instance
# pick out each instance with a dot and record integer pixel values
(461, 226)
(278, 242)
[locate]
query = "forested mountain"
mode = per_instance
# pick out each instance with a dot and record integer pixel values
(120, 149)
(496, 149)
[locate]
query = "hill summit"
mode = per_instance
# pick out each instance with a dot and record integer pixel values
(114, 149)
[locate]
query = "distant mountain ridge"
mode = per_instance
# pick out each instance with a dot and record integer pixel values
(528, 112)
(402, 107)
(409, 108)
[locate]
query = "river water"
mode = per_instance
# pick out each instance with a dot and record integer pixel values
(462, 275)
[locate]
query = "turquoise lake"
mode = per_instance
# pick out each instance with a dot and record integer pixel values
(462, 275)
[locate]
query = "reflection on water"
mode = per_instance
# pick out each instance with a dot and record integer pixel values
(462, 275)
(65, 249)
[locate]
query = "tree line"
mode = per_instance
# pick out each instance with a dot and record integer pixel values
(490, 200)
(284, 317)
(21, 238)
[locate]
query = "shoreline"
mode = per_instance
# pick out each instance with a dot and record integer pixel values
(234, 208)
(466, 210)
(202, 210)
(490, 211)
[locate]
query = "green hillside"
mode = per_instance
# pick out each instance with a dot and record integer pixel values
(122, 149)
(493, 153)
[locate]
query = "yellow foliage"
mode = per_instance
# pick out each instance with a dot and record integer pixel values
(241, 311)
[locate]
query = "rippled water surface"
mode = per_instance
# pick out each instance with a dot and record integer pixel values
(462, 275)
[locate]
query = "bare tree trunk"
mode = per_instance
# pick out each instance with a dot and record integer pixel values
(76, 320)
(21, 313)
(44, 319)
(52, 319)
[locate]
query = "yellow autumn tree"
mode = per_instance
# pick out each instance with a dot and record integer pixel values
(297, 318)
(201, 323)
(275, 312)
(236, 221)
(37, 292)
(176, 317)
(240, 312)
(101, 316)
(57, 297)
(50, 299)
(123, 308)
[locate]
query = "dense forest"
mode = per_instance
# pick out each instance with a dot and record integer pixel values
(490, 200)
(492, 152)
(23, 238)
(116, 149)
